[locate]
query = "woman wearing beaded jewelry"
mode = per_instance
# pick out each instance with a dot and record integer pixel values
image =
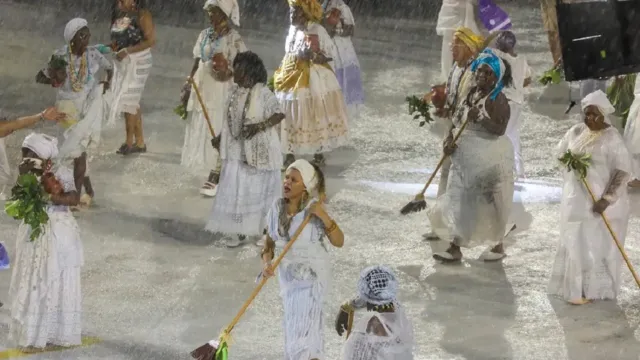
(477, 204)
(305, 270)
(307, 87)
(214, 52)
(133, 35)
(45, 290)
(73, 70)
(250, 151)
(340, 25)
(588, 264)
(384, 332)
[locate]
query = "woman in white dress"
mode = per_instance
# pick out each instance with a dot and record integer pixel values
(521, 74)
(214, 52)
(304, 272)
(73, 70)
(454, 14)
(340, 25)
(477, 204)
(45, 291)
(384, 332)
(316, 115)
(588, 263)
(250, 151)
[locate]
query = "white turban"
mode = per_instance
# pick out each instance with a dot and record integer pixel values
(308, 173)
(73, 27)
(229, 7)
(600, 100)
(45, 146)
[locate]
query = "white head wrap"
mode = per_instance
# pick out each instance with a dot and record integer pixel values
(73, 27)
(377, 285)
(308, 173)
(600, 100)
(229, 7)
(45, 146)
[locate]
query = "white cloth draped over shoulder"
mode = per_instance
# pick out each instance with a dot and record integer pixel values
(363, 344)
(588, 263)
(316, 116)
(197, 152)
(45, 290)
(303, 275)
(250, 180)
(632, 130)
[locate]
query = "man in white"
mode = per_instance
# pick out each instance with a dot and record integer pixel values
(453, 15)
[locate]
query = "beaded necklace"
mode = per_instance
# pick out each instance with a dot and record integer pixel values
(211, 37)
(81, 77)
(459, 84)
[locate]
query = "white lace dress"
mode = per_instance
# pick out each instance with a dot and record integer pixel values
(251, 179)
(303, 275)
(476, 206)
(588, 262)
(363, 344)
(197, 152)
(346, 63)
(45, 291)
(316, 114)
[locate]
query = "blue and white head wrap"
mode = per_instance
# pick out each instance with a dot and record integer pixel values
(488, 57)
(378, 285)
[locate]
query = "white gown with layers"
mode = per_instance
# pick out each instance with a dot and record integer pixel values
(197, 152)
(588, 263)
(45, 291)
(397, 345)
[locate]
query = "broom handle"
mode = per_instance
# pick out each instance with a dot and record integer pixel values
(443, 158)
(613, 235)
(204, 108)
(264, 280)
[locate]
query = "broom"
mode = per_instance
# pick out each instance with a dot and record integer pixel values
(218, 350)
(580, 164)
(419, 203)
(204, 108)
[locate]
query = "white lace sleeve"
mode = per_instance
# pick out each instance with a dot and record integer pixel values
(270, 104)
(345, 14)
(65, 176)
(196, 47)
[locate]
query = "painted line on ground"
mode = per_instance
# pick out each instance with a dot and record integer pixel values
(16, 353)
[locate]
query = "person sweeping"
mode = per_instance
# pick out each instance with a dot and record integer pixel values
(588, 263)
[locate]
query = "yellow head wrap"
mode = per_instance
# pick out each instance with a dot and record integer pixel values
(469, 38)
(311, 8)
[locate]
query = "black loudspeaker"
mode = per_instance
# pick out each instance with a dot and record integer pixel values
(599, 38)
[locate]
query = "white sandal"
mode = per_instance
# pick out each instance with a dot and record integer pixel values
(489, 255)
(209, 189)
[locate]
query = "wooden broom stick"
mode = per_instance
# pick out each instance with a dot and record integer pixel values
(613, 235)
(204, 109)
(264, 280)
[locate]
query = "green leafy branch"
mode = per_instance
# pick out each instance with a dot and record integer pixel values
(621, 94)
(552, 76)
(419, 109)
(576, 162)
(271, 84)
(29, 203)
(181, 111)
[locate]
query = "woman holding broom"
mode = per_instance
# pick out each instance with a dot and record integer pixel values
(214, 52)
(316, 114)
(588, 263)
(476, 206)
(250, 151)
(304, 271)
(45, 292)
(73, 70)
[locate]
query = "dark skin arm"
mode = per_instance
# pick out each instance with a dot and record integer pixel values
(42, 78)
(251, 130)
(618, 178)
(186, 89)
(149, 31)
(499, 113)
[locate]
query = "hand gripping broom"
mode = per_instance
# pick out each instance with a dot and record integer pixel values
(218, 350)
(204, 108)
(419, 203)
(580, 164)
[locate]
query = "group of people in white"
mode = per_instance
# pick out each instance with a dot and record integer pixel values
(258, 133)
